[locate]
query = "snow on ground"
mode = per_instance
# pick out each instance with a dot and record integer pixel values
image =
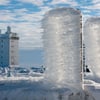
(92, 86)
(33, 88)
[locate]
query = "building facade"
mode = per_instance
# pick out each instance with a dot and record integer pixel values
(8, 48)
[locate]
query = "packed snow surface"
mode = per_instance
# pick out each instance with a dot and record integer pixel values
(34, 88)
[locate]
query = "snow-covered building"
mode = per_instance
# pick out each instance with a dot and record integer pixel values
(8, 48)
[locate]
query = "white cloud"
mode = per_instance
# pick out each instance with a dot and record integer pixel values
(4, 2)
(22, 10)
(33, 17)
(95, 5)
(70, 2)
(86, 11)
(35, 2)
(44, 9)
(26, 24)
(95, 1)
(30, 36)
(95, 8)
(6, 15)
(91, 10)
(20, 15)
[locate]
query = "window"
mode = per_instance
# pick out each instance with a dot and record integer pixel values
(1, 46)
(1, 52)
(1, 40)
(12, 45)
(1, 62)
(1, 56)
(12, 63)
(12, 51)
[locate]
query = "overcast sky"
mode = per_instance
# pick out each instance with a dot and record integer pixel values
(24, 16)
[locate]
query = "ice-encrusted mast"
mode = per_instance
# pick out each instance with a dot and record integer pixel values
(92, 43)
(62, 44)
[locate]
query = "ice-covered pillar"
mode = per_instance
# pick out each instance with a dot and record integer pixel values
(62, 45)
(92, 44)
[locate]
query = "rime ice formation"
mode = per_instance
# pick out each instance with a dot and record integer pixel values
(92, 43)
(32, 88)
(62, 45)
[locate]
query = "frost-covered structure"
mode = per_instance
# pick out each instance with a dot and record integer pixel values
(62, 44)
(92, 43)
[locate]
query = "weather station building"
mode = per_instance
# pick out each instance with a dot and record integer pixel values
(9, 48)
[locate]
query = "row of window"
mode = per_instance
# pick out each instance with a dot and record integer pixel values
(12, 60)
(11, 46)
(1, 46)
(12, 57)
(1, 41)
(4, 63)
(12, 51)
